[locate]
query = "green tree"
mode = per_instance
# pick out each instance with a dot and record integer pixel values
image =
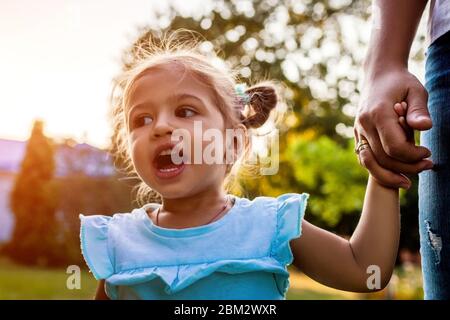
(299, 43)
(86, 192)
(33, 202)
(329, 173)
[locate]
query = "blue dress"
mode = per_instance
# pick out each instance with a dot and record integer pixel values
(243, 255)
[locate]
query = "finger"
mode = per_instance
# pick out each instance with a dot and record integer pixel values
(404, 105)
(399, 109)
(384, 177)
(355, 134)
(396, 145)
(408, 130)
(402, 122)
(418, 117)
(388, 162)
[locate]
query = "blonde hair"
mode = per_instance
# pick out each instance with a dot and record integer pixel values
(182, 47)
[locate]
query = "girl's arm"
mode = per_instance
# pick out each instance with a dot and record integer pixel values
(101, 294)
(343, 264)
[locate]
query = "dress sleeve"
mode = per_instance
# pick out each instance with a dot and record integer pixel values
(94, 245)
(290, 212)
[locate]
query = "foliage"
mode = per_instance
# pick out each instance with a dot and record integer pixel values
(34, 203)
(46, 207)
(331, 174)
(87, 195)
(303, 44)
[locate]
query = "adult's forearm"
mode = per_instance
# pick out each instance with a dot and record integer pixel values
(394, 27)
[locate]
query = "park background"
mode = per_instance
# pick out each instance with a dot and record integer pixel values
(58, 60)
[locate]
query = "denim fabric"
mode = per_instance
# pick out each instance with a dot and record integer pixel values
(434, 185)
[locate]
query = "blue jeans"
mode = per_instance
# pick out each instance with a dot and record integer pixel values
(434, 185)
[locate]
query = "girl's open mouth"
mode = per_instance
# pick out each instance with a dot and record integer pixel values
(165, 168)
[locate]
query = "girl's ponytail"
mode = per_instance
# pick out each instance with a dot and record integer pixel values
(261, 100)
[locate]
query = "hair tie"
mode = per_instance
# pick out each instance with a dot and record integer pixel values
(244, 97)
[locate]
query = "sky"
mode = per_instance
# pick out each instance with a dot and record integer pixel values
(57, 60)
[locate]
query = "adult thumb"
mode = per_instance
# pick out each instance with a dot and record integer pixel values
(417, 115)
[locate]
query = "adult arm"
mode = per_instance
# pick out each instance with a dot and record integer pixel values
(386, 82)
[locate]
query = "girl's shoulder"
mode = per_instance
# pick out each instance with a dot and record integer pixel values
(97, 236)
(104, 222)
(280, 217)
(279, 204)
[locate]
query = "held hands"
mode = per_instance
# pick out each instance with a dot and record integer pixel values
(388, 127)
(401, 109)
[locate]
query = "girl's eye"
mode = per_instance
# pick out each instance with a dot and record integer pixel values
(185, 113)
(141, 121)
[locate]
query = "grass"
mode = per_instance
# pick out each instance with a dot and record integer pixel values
(22, 282)
(304, 288)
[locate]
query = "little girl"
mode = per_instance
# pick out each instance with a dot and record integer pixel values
(203, 242)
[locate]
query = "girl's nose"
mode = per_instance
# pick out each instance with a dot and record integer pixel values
(162, 127)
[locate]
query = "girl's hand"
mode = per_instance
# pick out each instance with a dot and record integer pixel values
(401, 110)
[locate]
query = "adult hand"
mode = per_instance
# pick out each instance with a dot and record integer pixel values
(393, 154)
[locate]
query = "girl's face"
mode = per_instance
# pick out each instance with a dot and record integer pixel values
(161, 101)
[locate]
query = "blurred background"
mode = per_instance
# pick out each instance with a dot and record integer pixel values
(57, 63)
